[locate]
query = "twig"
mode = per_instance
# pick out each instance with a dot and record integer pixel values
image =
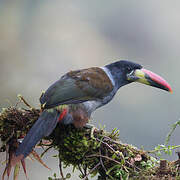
(60, 168)
(24, 101)
(110, 139)
(81, 170)
(42, 154)
(173, 127)
(164, 148)
(117, 153)
(102, 164)
(163, 165)
(106, 144)
(98, 155)
(85, 170)
(91, 170)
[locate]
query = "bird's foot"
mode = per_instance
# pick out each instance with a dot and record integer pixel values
(92, 127)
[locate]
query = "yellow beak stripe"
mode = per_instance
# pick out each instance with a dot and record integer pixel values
(141, 75)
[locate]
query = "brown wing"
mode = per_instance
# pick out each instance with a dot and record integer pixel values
(94, 78)
(78, 86)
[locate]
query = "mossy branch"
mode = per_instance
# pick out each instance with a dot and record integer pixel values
(103, 154)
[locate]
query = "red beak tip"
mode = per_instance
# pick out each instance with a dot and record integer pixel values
(158, 79)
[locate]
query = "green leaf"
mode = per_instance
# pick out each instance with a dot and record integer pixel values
(68, 176)
(54, 175)
(16, 171)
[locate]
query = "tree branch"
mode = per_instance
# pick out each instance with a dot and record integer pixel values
(104, 154)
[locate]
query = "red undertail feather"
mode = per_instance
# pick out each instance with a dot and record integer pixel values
(63, 113)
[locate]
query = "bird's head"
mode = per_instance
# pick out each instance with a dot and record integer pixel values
(125, 72)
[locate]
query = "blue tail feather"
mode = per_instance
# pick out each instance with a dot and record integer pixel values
(42, 127)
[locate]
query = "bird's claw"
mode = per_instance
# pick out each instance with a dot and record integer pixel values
(92, 127)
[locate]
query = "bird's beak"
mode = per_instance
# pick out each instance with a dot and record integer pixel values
(147, 77)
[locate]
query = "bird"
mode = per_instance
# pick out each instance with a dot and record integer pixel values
(79, 93)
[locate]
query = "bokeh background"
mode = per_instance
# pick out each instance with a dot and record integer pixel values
(42, 40)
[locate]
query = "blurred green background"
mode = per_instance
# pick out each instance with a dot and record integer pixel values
(42, 40)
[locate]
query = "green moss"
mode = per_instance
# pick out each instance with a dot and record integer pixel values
(104, 154)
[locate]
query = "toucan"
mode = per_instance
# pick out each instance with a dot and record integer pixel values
(81, 92)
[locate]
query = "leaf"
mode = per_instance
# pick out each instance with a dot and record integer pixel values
(16, 171)
(23, 163)
(9, 169)
(47, 149)
(37, 157)
(4, 173)
(68, 176)
(30, 158)
(178, 123)
(4, 162)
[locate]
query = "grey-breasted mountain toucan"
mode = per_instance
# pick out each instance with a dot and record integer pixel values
(86, 90)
